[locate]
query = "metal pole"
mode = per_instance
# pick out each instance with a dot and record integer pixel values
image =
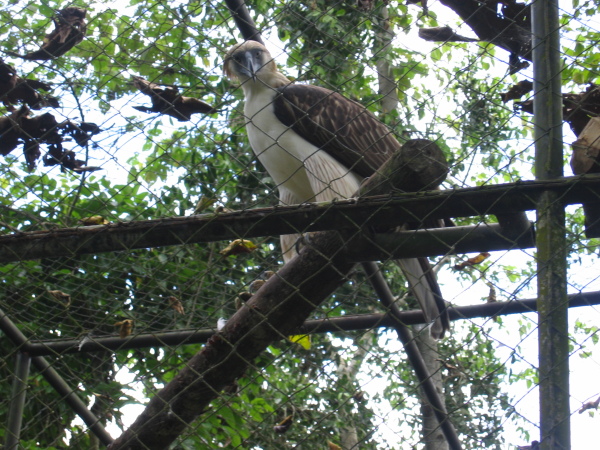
(551, 240)
(56, 381)
(72, 399)
(413, 354)
(17, 402)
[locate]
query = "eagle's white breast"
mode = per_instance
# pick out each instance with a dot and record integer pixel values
(309, 173)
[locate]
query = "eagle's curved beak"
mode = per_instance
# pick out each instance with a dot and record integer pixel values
(249, 63)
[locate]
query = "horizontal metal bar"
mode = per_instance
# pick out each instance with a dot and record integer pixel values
(437, 241)
(352, 214)
(331, 325)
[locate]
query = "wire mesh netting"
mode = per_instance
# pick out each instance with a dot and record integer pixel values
(144, 191)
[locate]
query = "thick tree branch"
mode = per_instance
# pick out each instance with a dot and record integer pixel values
(510, 30)
(276, 310)
(243, 21)
(444, 34)
(279, 307)
(505, 24)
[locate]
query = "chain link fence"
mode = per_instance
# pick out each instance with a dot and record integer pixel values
(145, 302)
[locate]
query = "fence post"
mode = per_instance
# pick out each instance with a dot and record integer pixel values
(17, 403)
(551, 241)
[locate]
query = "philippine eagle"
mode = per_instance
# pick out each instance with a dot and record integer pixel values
(317, 145)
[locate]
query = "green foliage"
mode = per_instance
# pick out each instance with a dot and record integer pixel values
(155, 167)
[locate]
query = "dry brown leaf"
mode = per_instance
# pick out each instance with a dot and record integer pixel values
(14, 89)
(589, 405)
(517, 91)
(19, 128)
(93, 220)
(175, 304)
(125, 328)
(64, 299)
(535, 445)
(472, 261)
(168, 101)
(284, 425)
(238, 247)
(256, 285)
(242, 298)
(491, 298)
(69, 30)
(447, 365)
(203, 204)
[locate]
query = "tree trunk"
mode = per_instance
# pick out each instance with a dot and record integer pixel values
(381, 50)
(431, 433)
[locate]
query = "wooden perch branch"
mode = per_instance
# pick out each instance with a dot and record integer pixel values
(436, 242)
(276, 310)
(279, 307)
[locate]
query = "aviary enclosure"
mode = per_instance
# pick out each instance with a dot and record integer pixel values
(145, 304)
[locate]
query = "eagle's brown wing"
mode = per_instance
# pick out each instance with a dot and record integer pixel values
(357, 139)
(344, 129)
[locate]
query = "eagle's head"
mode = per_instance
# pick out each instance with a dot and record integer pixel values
(251, 60)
